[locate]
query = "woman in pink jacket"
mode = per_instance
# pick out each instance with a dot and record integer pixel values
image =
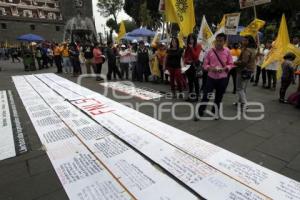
(99, 59)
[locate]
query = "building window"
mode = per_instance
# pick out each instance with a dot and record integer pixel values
(3, 26)
(57, 28)
(32, 27)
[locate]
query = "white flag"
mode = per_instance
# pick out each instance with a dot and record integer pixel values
(205, 34)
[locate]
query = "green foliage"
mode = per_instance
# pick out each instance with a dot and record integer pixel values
(112, 25)
(109, 8)
(129, 25)
(144, 12)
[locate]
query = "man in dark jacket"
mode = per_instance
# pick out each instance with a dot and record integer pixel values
(111, 59)
(143, 68)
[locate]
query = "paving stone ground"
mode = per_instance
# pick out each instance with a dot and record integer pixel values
(273, 142)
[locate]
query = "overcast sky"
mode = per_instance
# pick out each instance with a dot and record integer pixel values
(102, 21)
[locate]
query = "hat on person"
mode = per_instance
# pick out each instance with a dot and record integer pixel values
(134, 41)
(290, 56)
(123, 46)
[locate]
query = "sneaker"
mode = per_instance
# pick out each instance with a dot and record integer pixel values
(236, 104)
(283, 101)
(99, 79)
(196, 119)
(244, 107)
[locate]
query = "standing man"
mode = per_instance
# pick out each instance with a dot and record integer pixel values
(218, 63)
(111, 54)
(125, 59)
(296, 42)
(67, 65)
(143, 67)
(57, 58)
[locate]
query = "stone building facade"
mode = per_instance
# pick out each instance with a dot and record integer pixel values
(46, 18)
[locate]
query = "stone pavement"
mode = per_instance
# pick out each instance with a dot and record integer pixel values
(273, 142)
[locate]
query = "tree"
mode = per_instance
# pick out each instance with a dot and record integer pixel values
(113, 26)
(109, 8)
(144, 12)
(129, 25)
(132, 8)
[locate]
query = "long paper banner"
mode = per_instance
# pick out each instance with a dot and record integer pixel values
(256, 177)
(142, 179)
(7, 145)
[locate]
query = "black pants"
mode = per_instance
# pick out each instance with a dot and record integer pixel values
(15, 58)
(263, 72)
(45, 61)
(220, 86)
(50, 60)
(233, 74)
(58, 63)
(194, 87)
(98, 69)
(125, 70)
(76, 66)
(284, 86)
(143, 71)
(134, 72)
(113, 69)
(204, 80)
(39, 61)
(272, 78)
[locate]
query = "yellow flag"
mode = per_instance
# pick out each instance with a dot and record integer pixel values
(279, 47)
(122, 31)
(181, 40)
(253, 28)
(291, 48)
(222, 23)
(181, 12)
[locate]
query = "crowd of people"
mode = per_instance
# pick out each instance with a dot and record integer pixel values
(162, 63)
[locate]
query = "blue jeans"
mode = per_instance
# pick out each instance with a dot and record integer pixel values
(67, 65)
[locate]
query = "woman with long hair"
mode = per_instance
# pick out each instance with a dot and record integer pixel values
(246, 65)
(191, 57)
(173, 65)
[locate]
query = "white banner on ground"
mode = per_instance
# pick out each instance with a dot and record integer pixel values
(81, 174)
(125, 121)
(130, 89)
(251, 3)
(142, 179)
(7, 145)
(231, 23)
(173, 160)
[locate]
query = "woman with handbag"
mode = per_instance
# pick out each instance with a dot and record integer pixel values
(246, 65)
(191, 57)
(99, 59)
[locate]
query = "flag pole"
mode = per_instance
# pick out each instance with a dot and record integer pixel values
(255, 17)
